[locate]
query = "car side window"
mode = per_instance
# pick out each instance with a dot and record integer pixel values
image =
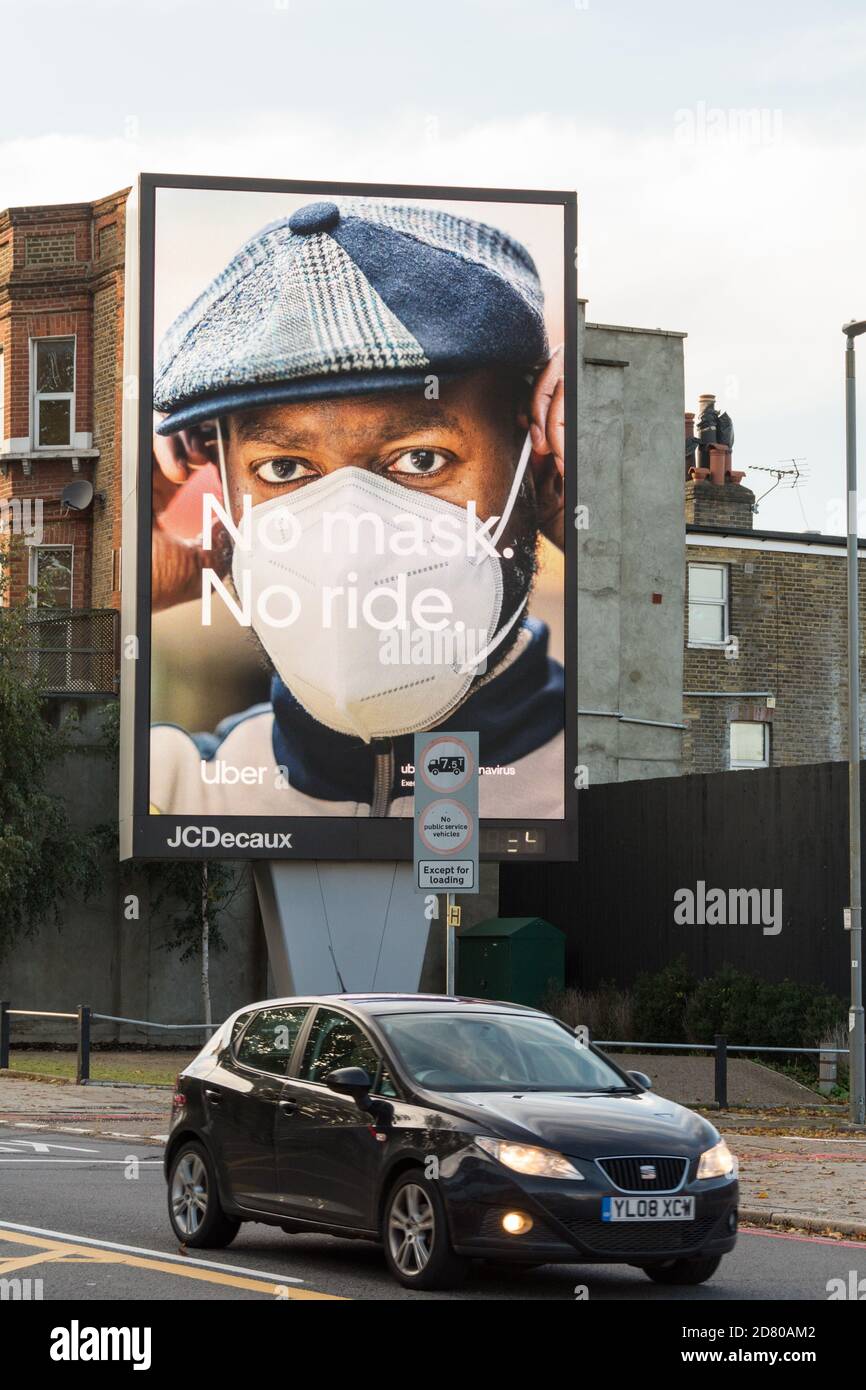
(237, 1028)
(336, 1041)
(269, 1041)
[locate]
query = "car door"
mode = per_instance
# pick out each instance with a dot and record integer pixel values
(242, 1095)
(328, 1153)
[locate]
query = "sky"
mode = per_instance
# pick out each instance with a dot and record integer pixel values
(718, 153)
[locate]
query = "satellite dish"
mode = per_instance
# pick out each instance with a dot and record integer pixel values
(77, 496)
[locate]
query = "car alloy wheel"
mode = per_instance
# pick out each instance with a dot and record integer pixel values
(194, 1205)
(411, 1229)
(189, 1194)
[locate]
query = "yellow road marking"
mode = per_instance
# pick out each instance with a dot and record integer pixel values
(22, 1261)
(57, 1250)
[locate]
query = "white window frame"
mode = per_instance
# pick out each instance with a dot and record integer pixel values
(33, 572)
(747, 766)
(724, 603)
(37, 396)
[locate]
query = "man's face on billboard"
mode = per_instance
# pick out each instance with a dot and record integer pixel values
(462, 447)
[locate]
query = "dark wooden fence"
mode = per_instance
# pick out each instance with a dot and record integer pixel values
(781, 828)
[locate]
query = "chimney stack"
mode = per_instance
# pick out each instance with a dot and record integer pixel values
(714, 495)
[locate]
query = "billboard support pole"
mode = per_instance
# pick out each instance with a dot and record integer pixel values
(337, 927)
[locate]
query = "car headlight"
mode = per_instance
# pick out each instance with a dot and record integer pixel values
(717, 1162)
(526, 1158)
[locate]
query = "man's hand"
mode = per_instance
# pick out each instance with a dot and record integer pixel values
(177, 563)
(546, 424)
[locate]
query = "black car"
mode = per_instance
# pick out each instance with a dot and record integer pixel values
(448, 1130)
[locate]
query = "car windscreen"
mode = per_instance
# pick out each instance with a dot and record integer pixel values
(481, 1052)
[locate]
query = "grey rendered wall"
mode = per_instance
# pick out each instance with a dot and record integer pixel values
(630, 449)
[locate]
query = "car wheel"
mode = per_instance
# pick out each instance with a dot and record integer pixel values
(415, 1236)
(684, 1271)
(194, 1208)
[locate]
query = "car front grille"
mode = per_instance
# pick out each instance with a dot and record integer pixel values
(625, 1173)
(636, 1237)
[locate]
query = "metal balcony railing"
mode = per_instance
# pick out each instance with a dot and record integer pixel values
(73, 651)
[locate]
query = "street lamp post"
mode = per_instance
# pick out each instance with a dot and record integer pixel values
(857, 1060)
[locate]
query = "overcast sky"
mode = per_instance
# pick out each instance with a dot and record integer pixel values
(718, 152)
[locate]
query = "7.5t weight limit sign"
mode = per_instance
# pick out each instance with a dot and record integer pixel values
(446, 813)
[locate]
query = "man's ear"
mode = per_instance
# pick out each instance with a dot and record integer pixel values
(548, 489)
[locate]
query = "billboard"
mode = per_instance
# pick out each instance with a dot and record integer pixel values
(349, 479)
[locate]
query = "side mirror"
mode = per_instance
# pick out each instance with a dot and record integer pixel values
(642, 1079)
(351, 1081)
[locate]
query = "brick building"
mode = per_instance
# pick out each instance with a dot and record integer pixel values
(765, 646)
(61, 387)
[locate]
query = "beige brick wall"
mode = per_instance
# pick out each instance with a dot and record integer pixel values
(788, 612)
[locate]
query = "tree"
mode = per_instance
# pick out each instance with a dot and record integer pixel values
(192, 898)
(43, 859)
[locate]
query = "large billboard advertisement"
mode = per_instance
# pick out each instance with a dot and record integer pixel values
(355, 464)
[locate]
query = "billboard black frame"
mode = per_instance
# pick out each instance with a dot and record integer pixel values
(337, 837)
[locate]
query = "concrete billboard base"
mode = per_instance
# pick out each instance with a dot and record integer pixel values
(342, 927)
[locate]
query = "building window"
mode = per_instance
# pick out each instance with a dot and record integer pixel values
(2, 402)
(51, 576)
(708, 605)
(53, 378)
(750, 745)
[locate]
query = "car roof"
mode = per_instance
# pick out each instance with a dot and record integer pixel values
(378, 1004)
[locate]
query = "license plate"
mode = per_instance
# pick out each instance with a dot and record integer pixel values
(647, 1208)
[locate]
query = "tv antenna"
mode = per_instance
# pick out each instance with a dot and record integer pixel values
(788, 473)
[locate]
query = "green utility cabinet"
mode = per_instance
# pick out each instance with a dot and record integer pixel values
(515, 958)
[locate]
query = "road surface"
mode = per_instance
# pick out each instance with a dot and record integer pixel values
(87, 1217)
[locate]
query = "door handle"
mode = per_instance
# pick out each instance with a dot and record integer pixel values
(213, 1096)
(288, 1107)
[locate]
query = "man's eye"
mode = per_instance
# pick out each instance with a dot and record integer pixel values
(282, 471)
(418, 463)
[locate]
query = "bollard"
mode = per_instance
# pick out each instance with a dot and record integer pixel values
(4, 1033)
(82, 1069)
(826, 1072)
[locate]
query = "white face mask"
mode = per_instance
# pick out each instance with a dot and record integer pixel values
(360, 661)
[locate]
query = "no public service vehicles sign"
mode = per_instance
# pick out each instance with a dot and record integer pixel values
(446, 813)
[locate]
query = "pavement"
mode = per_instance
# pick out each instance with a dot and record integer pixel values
(812, 1181)
(126, 1112)
(84, 1218)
